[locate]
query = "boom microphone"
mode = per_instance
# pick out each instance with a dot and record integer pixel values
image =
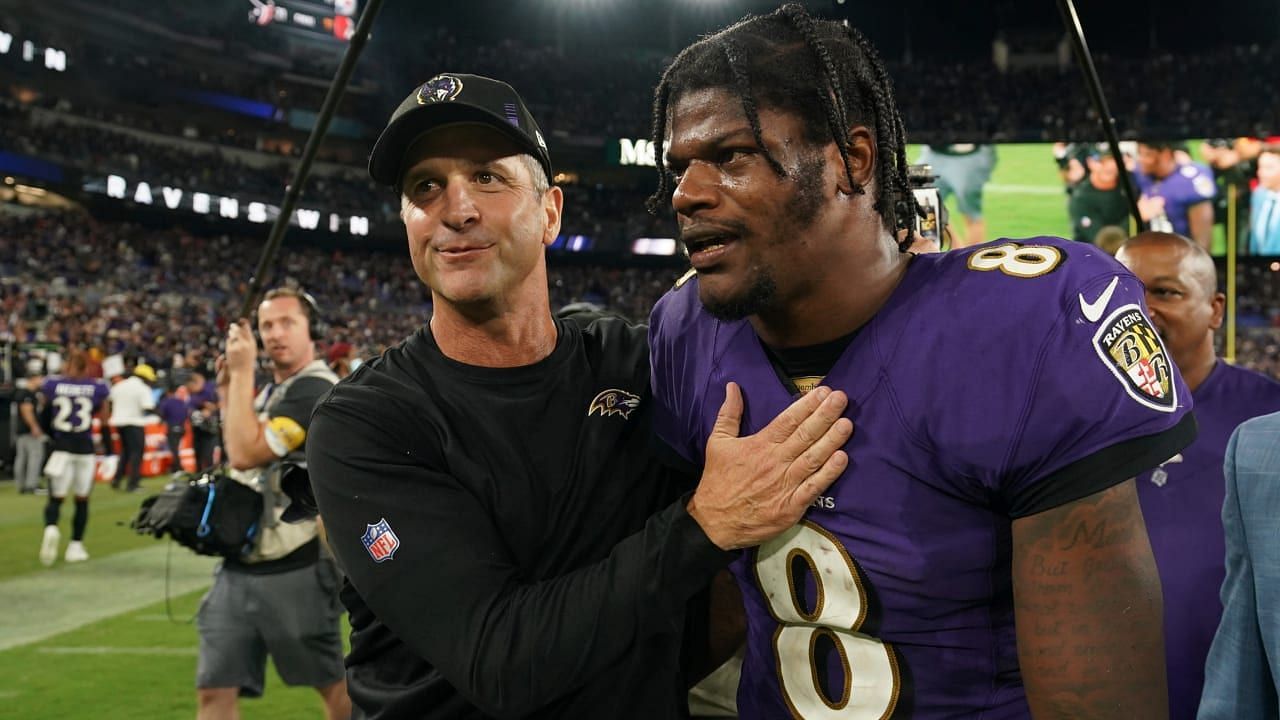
(294, 190)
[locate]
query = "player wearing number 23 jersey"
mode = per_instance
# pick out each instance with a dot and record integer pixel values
(995, 383)
(73, 401)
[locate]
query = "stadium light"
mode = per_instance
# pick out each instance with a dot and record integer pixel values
(654, 246)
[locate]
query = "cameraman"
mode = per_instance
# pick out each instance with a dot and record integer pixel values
(281, 598)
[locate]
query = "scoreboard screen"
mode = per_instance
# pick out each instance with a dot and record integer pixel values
(315, 18)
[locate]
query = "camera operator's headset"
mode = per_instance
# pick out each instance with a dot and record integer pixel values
(317, 328)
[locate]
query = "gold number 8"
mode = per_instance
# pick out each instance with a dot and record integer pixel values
(1024, 261)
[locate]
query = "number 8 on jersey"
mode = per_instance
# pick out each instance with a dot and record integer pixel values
(868, 684)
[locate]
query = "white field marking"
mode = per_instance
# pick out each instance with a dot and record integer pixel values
(45, 603)
(105, 650)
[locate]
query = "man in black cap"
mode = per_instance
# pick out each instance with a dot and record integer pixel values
(513, 547)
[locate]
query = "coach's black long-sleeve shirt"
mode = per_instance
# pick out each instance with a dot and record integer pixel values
(512, 546)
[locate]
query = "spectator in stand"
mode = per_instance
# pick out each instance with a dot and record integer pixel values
(29, 455)
(1176, 197)
(342, 359)
(131, 403)
(1265, 227)
(174, 412)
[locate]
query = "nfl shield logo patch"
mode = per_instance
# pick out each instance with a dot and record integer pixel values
(380, 540)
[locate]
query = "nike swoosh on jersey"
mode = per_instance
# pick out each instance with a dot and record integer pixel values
(1093, 310)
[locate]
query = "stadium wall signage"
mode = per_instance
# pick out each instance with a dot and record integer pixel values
(633, 152)
(53, 58)
(230, 208)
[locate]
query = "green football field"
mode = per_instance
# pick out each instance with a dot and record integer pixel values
(1025, 196)
(94, 639)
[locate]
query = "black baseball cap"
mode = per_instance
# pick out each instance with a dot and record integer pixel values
(451, 98)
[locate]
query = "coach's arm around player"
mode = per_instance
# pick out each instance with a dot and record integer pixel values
(513, 546)
(455, 593)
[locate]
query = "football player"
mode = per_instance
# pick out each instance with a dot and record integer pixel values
(74, 400)
(983, 554)
(1177, 196)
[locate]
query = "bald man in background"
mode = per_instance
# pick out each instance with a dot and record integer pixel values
(1182, 499)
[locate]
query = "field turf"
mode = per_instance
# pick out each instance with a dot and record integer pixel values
(94, 639)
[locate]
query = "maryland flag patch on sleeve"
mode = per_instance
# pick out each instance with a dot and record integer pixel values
(284, 435)
(1132, 350)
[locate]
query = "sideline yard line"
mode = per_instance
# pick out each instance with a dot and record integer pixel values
(1026, 189)
(107, 650)
(48, 602)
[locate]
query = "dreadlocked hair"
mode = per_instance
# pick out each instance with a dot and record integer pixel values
(769, 61)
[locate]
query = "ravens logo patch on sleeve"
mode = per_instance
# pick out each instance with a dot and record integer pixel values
(1132, 350)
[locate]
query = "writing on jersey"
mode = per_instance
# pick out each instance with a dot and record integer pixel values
(72, 404)
(893, 596)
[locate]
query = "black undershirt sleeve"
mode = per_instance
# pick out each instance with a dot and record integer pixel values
(452, 593)
(1108, 467)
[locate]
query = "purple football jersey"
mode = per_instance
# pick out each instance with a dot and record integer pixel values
(974, 392)
(1182, 504)
(1187, 185)
(72, 404)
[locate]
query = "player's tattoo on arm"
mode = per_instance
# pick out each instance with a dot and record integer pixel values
(1089, 610)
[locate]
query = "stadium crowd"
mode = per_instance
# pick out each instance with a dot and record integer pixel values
(591, 209)
(59, 288)
(99, 151)
(165, 296)
(1213, 93)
